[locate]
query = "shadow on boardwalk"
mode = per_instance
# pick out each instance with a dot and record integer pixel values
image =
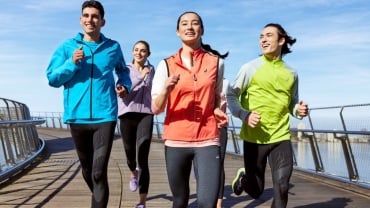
(56, 181)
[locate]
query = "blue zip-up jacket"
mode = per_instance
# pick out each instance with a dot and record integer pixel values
(140, 98)
(89, 86)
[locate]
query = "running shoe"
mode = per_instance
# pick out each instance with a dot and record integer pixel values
(236, 185)
(134, 183)
(134, 180)
(140, 206)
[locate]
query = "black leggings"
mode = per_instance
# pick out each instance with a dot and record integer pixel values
(137, 129)
(93, 144)
(223, 144)
(280, 157)
(207, 172)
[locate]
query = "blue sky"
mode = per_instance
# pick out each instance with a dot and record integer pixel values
(331, 55)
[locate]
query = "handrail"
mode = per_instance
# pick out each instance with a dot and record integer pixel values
(20, 144)
(331, 131)
(300, 136)
(341, 133)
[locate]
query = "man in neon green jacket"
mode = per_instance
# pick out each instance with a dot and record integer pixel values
(263, 95)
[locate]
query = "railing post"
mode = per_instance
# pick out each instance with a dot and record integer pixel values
(314, 147)
(9, 155)
(235, 141)
(46, 120)
(315, 152)
(350, 162)
(347, 150)
(52, 118)
(60, 121)
(156, 123)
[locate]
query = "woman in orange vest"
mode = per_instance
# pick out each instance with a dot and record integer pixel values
(187, 86)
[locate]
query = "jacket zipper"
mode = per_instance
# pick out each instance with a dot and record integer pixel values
(91, 84)
(142, 96)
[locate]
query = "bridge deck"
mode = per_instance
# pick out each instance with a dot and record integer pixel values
(56, 181)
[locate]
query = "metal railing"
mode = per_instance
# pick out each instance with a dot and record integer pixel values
(331, 141)
(340, 131)
(344, 130)
(20, 143)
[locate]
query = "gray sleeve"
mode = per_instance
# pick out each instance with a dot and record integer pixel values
(295, 98)
(237, 88)
(219, 83)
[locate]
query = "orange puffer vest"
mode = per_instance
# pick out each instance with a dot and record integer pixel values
(190, 106)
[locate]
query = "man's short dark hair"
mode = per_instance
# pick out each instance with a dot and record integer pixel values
(95, 4)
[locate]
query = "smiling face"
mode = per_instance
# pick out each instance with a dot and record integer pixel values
(271, 43)
(190, 29)
(91, 22)
(140, 53)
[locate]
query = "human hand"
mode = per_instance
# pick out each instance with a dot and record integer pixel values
(144, 72)
(78, 55)
(223, 102)
(121, 91)
(171, 82)
(221, 118)
(302, 109)
(253, 119)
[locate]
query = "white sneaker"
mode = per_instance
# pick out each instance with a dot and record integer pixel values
(134, 180)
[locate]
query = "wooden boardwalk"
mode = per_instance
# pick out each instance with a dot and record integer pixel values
(56, 181)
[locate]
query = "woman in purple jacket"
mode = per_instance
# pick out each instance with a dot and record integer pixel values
(136, 120)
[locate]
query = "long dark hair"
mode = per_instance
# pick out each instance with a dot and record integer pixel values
(289, 41)
(207, 47)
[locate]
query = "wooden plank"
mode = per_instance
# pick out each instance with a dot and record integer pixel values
(56, 181)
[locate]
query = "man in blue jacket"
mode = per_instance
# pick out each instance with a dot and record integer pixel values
(84, 66)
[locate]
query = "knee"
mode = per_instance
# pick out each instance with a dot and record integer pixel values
(254, 188)
(283, 186)
(97, 175)
(281, 178)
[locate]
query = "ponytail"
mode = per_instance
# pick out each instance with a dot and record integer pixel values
(207, 47)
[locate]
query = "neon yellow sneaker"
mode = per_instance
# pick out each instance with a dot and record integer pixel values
(236, 185)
